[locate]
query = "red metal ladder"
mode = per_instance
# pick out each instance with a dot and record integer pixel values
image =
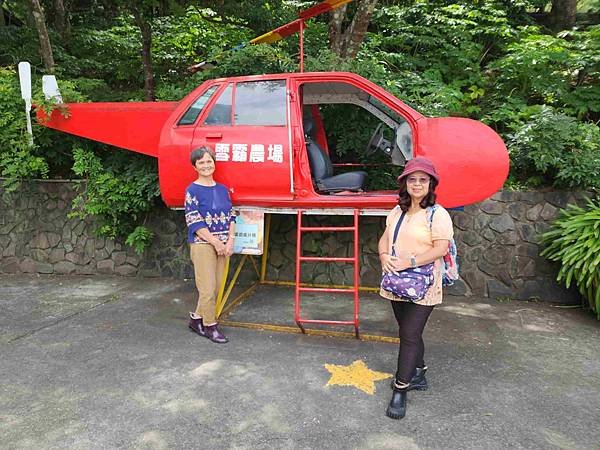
(300, 228)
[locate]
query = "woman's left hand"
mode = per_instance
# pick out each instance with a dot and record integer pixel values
(229, 247)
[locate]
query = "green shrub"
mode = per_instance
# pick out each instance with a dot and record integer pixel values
(120, 193)
(552, 148)
(574, 241)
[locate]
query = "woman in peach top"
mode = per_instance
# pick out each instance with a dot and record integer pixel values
(422, 239)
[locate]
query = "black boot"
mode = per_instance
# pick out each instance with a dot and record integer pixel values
(418, 382)
(397, 407)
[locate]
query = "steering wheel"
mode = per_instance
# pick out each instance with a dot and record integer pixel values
(376, 141)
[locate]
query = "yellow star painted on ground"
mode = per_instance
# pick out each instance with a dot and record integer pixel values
(356, 374)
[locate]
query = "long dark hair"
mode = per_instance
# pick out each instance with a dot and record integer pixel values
(404, 200)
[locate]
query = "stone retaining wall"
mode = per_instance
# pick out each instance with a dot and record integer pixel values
(496, 243)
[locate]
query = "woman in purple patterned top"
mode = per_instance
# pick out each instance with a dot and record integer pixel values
(211, 221)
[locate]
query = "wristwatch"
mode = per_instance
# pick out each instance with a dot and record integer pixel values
(413, 262)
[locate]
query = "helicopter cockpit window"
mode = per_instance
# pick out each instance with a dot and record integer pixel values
(220, 113)
(194, 111)
(260, 103)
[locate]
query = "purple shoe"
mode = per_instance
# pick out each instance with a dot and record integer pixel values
(197, 326)
(215, 335)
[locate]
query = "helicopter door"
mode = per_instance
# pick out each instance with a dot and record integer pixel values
(248, 129)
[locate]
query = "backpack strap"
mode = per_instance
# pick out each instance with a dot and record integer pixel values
(430, 212)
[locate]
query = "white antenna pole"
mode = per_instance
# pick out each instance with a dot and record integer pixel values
(25, 80)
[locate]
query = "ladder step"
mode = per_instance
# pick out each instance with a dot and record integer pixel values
(315, 289)
(326, 258)
(328, 322)
(327, 228)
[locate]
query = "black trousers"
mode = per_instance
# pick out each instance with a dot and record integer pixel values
(411, 319)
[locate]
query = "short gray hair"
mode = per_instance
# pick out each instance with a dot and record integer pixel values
(198, 153)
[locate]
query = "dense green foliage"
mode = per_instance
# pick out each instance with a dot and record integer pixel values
(486, 59)
(574, 241)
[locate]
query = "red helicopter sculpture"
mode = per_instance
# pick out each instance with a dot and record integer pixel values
(270, 141)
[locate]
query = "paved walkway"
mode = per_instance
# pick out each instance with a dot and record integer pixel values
(103, 363)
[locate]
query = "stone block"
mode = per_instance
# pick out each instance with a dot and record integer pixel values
(560, 199)
(507, 196)
(10, 265)
(475, 280)
(549, 212)
(542, 227)
(507, 238)
(527, 232)
(547, 289)
(64, 267)
(494, 271)
(56, 255)
(79, 228)
(496, 289)
(40, 255)
(522, 267)
(126, 270)
(88, 248)
(489, 235)
(533, 213)
(40, 241)
(10, 250)
(472, 210)
(532, 197)
(106, 266)
(497, 255)
(73, 257)
(458, 288)
(462, 220)
(119, 258)
(518, 210)
(109, 246)
(481, 221)
(491, 207)
(135, 260)
(53, 239)
(100, 255)
(43, 267)
(471, 238)
(526, 249)
(502, 223)
(99, 242)
(89, 269)
(469, 254)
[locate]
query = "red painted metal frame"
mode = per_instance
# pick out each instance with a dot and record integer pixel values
(300, 228)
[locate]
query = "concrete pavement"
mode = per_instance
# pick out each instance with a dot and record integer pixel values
(103, 363)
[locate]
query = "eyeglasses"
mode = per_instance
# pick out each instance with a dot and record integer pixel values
(415, 180)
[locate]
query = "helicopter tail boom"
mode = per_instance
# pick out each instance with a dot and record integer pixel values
(134, 126)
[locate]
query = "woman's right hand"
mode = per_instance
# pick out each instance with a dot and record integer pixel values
(220, 248)
(388, 262)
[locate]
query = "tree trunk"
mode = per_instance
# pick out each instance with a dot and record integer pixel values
(40, 23)
(355, 34)
(146, 31)
(335, 29)
(61, 20)
(347, 43)
(563, 14)
(2, 22)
